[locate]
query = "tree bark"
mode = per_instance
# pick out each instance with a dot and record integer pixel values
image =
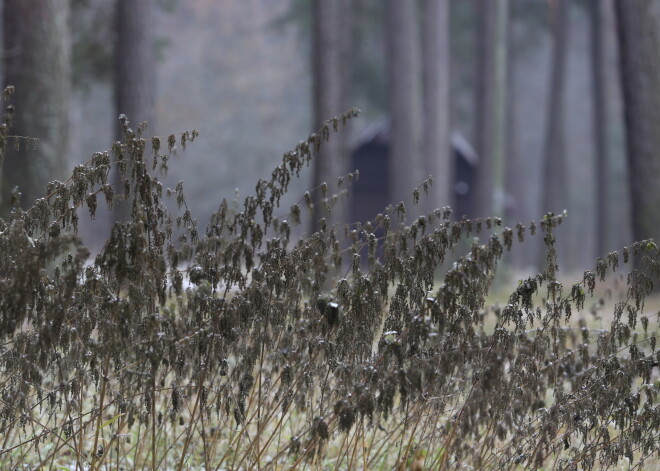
(640, 78)
(135, 86)
(500, 107)
(436, 77)
(332, 33)
(600, 122)
(516, 178)
(403, 63)
(554, 197)
(37, 61)
(486, 11)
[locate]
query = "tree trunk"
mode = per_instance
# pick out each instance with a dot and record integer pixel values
(37, 61)
(640, 78)
(500, 106)
(435, 70)
(332, 35)
(600, 122)
(554, 197)
(516, 178)
(486, 11)
(135, 74)
(620, 214)
(403, 49)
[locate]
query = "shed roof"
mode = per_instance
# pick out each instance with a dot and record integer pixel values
(378, 133)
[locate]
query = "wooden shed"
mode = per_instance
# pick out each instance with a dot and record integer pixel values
(370, 155)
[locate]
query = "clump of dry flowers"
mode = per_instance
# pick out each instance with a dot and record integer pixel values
(365, 347)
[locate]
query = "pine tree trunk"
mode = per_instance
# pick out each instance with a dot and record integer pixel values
(403, 63)
(485, 105)
(435, 69)
(500, 107)
(135, 75)
(600, 122)
(554, 198)
(640, 78)
(331, 71)
(37, 61)
(516, 178)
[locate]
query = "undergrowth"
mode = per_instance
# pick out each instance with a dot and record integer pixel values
(244, 348)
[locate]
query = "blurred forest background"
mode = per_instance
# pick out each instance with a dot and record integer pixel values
(517, 107)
